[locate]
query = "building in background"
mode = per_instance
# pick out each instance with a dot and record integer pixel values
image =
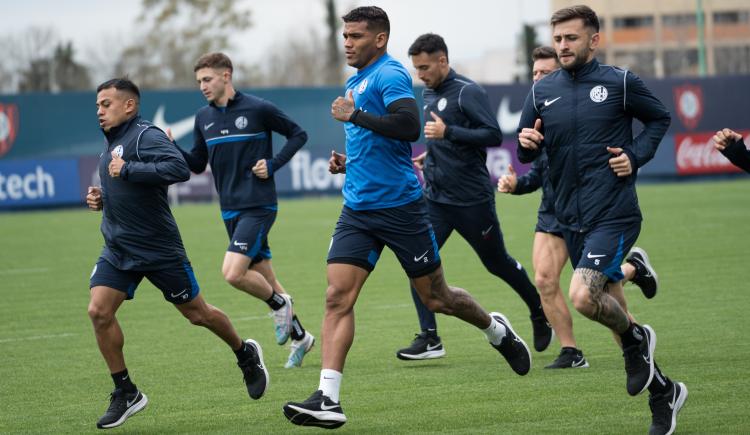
(662, 39)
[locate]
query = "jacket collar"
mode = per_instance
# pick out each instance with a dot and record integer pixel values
(583, 70)
(238, 96)
(451, 76)
(117, 132)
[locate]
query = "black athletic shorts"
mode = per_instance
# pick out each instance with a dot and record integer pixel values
(176, 282)
(360, 236)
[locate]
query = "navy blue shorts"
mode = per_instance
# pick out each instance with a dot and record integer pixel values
(360, 236)
(603, 247)
(177, 282)
(547, 223)
(248, 232)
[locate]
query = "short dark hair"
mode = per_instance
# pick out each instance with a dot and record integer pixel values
(583, 12)
(429, 43)
(544, 52)
(213, 60)
(376, 18)
(122, 84)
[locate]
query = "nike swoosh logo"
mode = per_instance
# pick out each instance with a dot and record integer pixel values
(421, 256)
(508, 120)
(179, 129)
(671, 404)
(595, 256)
(128, 403)
(175, 295)
(433, 347)
(485, 232)
(207, 126)
(578, 363)
(547, 103)
(647, 359)
(240, 245)
(325, 407)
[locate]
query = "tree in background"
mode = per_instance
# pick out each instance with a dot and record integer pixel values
(177, 33)
(528, 43)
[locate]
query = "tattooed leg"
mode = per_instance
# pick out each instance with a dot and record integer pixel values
(588, 292)
(453, 301)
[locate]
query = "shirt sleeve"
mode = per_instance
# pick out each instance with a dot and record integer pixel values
(528, 117)
(160, 162)
(197, 158)
(738, 154)
(530, 181)
(643, 106)
(276, 120)
(484, 130)
(394, 84)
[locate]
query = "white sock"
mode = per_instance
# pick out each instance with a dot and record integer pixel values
(495, 332)
(330, 383)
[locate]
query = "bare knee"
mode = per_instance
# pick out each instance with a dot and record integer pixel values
(581, 300)
(234, 277)
(339, 299)
(100, 316)
(547, 284)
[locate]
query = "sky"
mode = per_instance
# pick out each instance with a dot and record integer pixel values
(469, 27)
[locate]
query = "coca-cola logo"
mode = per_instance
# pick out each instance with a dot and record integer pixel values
(696, 154)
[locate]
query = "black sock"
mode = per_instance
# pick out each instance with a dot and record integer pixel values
(570, 348)
(298, 332)
(660, 384)
(632, 336)
(123, 382)
(430, 332)
(244, 352)
(275, 301)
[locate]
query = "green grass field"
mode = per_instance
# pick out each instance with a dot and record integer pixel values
(53, 380)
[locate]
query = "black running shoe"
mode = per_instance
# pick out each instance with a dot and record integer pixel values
(645, 275)
(569, 358)
(121, 406)
(664, 409)
(543, 332)
(254, 371)
(424, 346)
(513, 348)
(639, 362)
(318, 410)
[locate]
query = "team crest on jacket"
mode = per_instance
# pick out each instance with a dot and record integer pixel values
(118, 151)
(240, 122)
(362, 87)
(598, 94)
(442, 103)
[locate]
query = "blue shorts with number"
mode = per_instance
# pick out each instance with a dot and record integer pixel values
(360, 236)
(248, 232)
(177, 282)
(603, 247)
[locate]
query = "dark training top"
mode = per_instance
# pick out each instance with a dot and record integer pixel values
(455, 168)
(583, 112)
(538, 176)
(738, 154)
(233, 139)
(139, 230)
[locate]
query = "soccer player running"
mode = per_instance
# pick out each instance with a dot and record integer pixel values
(233, 132)
(141, 239)
(458, 189)
(730, 143)
(583, 114)
(549, 251)
(383, 206)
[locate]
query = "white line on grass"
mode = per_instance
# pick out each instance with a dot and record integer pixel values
(37, 337)
(21, 271)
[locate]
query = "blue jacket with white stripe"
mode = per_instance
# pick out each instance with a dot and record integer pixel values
(583, 112)
(232, 139)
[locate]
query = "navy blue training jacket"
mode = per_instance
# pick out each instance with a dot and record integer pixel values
(139, 230)
(233, 139)
(583, 112)
(455, 168)
(538, 176)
